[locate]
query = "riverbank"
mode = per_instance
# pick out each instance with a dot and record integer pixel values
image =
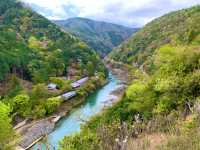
(33, 131)
(94, 103)
(124, 72)
(90, 115)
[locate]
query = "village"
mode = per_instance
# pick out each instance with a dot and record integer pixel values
(70, 94)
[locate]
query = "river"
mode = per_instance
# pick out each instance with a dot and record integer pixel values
(72, 122)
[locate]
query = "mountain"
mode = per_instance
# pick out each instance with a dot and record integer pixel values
(34, 48)
(180, 27)
(101, 36)
(160, 107)
(33, 52)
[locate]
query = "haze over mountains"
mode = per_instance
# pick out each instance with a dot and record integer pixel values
(101, 36)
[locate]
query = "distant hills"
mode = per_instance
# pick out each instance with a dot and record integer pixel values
(101, 36)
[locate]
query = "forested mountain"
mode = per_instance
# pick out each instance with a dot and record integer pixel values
(180, 27)
(101, 36)
(33, 52)
(35, 48)
(160, 108)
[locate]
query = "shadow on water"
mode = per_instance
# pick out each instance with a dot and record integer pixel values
(71, 123)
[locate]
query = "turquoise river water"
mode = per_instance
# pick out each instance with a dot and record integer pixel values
(72, 122)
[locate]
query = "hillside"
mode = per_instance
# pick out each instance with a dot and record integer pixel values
(180, 27)
(160, 107)
(33, 53)
(101, 36)
(35, 49)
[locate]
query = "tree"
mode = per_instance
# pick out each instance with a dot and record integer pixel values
(39, 92)
(142, 98)
(22, 104)
(90, 68)
(52, 104)
(6, 132)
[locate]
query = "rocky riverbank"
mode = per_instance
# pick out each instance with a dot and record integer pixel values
(122, 71)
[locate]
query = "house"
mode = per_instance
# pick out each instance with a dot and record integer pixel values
(80, 82)
(68, 95)
(52, 86)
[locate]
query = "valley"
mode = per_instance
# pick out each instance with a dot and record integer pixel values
(81, 84)
(101, 36)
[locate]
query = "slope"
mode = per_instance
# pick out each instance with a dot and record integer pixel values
(180, 27)
(34, 48)
(101, 36)
(160, 108)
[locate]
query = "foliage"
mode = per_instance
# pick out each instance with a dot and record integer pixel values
(34, 48)
(39, 92)
(84, 141)
(14, 86)
(39, 112)
(52, 104)
(21, 104)
(6, 132)
(168, 58)
(63, 84)
(101, 36)
(180, 27)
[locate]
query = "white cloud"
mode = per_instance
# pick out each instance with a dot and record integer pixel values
(126, 12)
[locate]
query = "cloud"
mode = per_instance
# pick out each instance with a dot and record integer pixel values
(125, 12)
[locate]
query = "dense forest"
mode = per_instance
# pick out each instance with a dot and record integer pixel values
(101, 36)
(162, 102)
(34, 52)
(160, 108)
(31, 45)
(180, 27)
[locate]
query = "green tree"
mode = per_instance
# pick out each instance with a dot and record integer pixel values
(83, 141)
(22, 105)
(90, 68)
(52, 104)
(6, 132)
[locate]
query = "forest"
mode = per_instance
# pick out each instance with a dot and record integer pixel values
(163, 98)
(34, 52)
(159, 109)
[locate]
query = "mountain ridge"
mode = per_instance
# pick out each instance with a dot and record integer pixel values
(37, 38)
(175, 27)
(99, 35)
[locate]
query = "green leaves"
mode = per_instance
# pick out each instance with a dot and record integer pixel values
(22, 105)
(6, 132)
(176, 28)
(52, 104)
(83, 141)
(38, 48)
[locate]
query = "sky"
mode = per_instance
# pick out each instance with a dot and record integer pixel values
(132, 13)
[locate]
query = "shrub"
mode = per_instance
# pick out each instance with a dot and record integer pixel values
(83, 141)
(6, 132)
(22, 105)
(52, 104)
(64, 85)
